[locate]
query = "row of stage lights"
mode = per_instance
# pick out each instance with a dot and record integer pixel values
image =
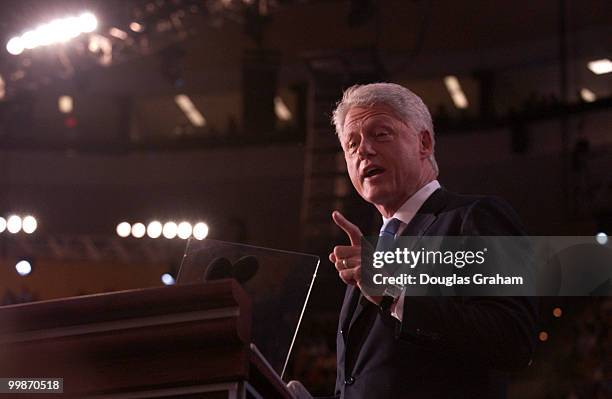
(56, 31)
(15, 223)
(169, 230)
(28, 224)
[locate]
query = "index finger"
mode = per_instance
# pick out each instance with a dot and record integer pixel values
(349, 228)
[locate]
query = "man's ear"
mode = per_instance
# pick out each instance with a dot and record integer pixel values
(427, 144)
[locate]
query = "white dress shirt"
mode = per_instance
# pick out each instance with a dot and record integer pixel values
(405, 214)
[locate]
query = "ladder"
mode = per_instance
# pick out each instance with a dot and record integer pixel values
(327, 186)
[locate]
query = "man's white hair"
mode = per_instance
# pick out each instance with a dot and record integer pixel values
(405, 104)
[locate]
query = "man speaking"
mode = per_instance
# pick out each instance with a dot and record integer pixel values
(396, 346)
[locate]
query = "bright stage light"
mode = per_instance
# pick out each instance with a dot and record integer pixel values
(136, 27)
(167, 279)
(118, 33)
(587, 95)
(23, 267)
(2, 224)
(200, 231)
(59, 30)
(29, 39)
(599, 67)
(454, 88)
(87, 22)
(191, 111)
(601, 238)
(29, 224)
(13, 224)
(154, 229)
(44, 35)
(56, 31)
(184, 230)
(170, 229)
(124, 229)
(281, 110)
(138, 230)
(65, 104)
(15, 46)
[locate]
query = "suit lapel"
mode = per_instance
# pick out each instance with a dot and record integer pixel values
(419, 225)
(361, 302)
(426, 215)
(351, 299)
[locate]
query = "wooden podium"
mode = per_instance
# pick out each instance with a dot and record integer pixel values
(185, 341)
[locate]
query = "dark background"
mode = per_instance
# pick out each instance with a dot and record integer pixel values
(128, 153)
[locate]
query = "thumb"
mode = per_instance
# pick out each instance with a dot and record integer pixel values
(349, 228)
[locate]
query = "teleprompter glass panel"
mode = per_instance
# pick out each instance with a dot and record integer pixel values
(278, 283)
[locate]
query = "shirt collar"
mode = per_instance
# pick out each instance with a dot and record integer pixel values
(407, 211)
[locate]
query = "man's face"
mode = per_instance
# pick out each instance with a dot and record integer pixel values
(386, 159)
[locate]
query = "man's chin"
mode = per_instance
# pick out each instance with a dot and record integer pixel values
(377, 197)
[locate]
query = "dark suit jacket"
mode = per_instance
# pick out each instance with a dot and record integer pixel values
(446, 347)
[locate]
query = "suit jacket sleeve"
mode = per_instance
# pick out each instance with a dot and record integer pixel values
(497, 332)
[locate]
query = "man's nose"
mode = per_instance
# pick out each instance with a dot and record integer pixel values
(365, 148)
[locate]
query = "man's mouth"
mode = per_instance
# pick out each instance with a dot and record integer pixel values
(372, 172)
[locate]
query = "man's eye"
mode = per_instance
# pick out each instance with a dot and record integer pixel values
(381, 133)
